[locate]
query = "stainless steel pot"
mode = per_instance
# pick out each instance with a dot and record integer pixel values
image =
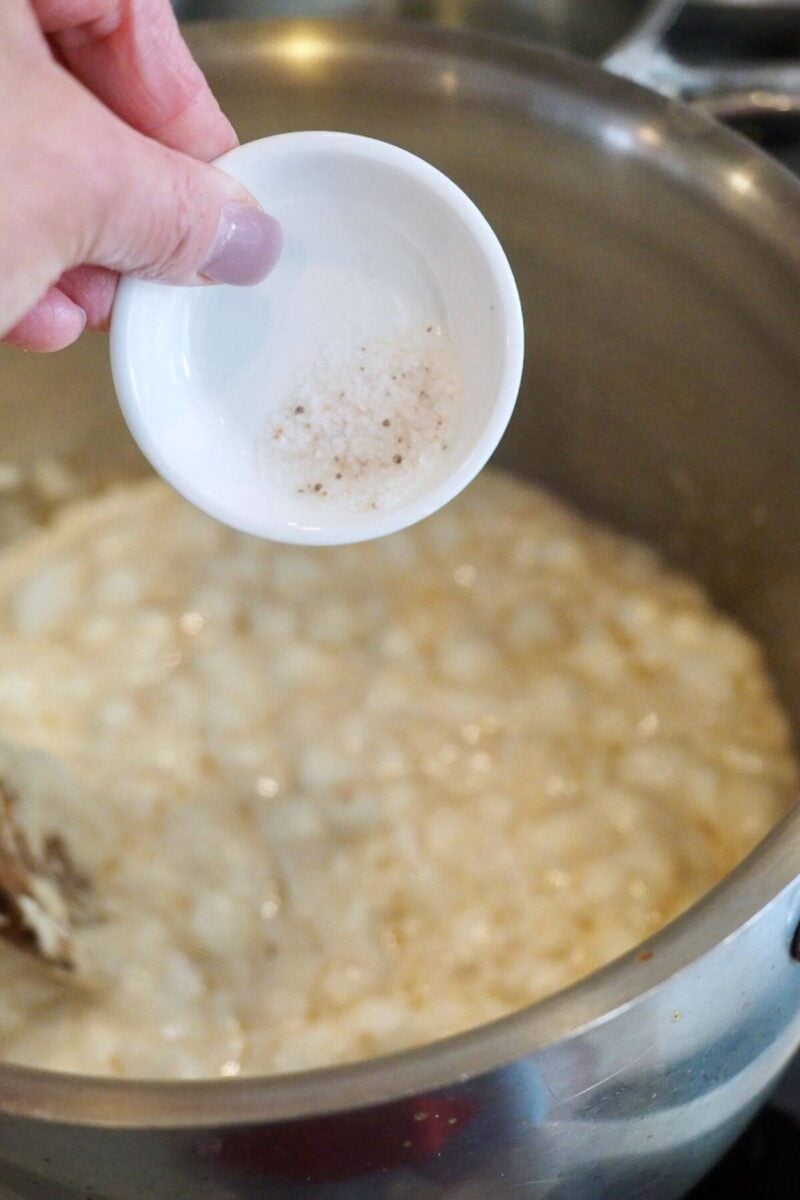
(740, 59)
(737, 58)
(658, 257)
(589, 29)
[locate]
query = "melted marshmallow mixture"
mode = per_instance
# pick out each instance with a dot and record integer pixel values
(340, 802)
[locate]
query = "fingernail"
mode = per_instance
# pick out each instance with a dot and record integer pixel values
(247, 246)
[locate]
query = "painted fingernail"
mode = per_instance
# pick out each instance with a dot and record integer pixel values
(247, 246)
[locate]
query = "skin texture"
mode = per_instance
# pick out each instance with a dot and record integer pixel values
(106, 127)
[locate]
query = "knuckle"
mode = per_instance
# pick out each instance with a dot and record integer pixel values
(180, 227)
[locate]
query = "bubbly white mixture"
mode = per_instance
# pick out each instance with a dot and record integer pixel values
(356, 799)
(365, 426)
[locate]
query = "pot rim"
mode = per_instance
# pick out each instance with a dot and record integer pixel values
(738, 899)
(218, 1103)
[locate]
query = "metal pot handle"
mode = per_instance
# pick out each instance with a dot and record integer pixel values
(732, 92)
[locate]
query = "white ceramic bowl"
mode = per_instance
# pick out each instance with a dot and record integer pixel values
(375, 241)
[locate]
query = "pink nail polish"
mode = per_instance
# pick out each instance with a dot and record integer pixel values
(247, 246)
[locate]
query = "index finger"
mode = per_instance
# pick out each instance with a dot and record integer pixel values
(132, 56)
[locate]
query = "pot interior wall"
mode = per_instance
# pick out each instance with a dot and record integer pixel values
(589, 29)
(663, 315)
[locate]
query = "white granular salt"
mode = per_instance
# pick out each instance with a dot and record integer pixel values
(364, 426)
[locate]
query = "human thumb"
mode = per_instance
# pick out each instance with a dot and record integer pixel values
(165, 216)
(90, 189)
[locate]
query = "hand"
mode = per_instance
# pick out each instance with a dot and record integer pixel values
(106, 127)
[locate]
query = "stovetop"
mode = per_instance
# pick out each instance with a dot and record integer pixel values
(765, 1162)
(763, 1165)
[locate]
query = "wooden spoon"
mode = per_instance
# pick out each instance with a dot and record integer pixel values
(44, 896)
